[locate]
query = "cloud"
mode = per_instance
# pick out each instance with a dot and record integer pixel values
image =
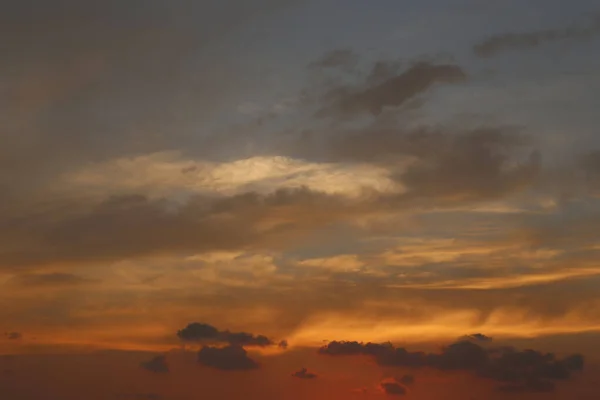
(526, 40)
(229, 358)
(164, 173)
(471, 166)
(406, 380)
(52, 124)
(199, 332)
(433, 164)
(13, 335)
(341, 58)
(157, 364)
(393, 389)
(508, 366)
(393, 92)
(304, 374)
(132, 226)
(416, 169)
(479, 337)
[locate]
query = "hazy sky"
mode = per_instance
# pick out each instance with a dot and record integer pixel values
(229, 199)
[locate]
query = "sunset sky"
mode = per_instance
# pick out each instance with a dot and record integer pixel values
(299, 199)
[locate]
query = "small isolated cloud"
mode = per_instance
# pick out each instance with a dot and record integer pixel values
(158, 364)
(13, 335)
(393, 389)
(283, 344)
(230, 358)
(201, 332)
(304, 374)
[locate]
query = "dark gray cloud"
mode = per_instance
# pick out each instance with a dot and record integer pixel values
(510, 367)
(230, 358)
(157, 364)
(469, 165)
(393, 389)
(473, 166)
(200, 332)
(350, 102)
(527, 40)
(304, 374)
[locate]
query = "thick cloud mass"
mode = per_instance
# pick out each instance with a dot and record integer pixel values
(526, 369)
(228, 358)
(198, 332)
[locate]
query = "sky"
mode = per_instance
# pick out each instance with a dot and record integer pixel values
(299, 199)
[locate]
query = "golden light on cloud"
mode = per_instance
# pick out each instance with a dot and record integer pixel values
(440, 326)
(164, 172)
(507, 281)
(347, 262)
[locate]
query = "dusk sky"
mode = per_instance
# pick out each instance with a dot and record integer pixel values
(299, 199)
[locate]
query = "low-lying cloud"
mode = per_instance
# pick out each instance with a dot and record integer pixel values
(230, 358)
(512, 369)
(200, 332)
